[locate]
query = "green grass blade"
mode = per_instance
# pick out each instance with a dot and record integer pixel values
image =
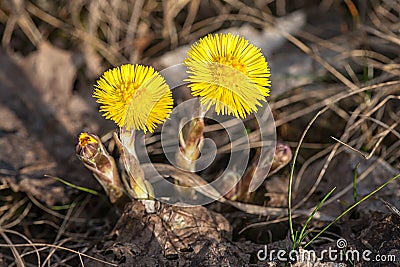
(296, 153)
(81, 188)
(352, 207)
(62, 207)
(302, 235)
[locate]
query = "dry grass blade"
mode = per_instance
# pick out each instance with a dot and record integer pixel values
(24, 21)
(320, 60)
(331, 155)
(193, 9)
(19, 219)
(109, 53)
(8, 30)
(53, 251)
(391, 207)
(307, 163)
(35, 250)
(18, 259)
(11, 211)
(389, 129)
(387, 35)
(350, 147)
(132, 27)
(171, 8)
(261, 224)
(50, 211)
(13, 246)
(336, 75)
(203, 187)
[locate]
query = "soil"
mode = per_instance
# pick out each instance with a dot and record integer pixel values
(329, 50)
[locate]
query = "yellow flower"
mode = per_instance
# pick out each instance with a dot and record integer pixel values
(86, 139)
(134, 96)
(227, 71)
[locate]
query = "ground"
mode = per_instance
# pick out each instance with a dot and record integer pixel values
(335, 80)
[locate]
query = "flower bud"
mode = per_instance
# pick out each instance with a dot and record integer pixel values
(95, 157)
(282, 156)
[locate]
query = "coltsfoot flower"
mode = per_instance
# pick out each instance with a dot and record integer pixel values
(134, 96)
(227, 71)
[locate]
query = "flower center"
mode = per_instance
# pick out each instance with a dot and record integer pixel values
(128, 90)
(229, 73)
(85, 139)
(233, 62)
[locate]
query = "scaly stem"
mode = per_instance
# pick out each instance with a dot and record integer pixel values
(190, 138)
(138, 187)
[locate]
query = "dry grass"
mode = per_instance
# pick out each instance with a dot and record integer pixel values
(361, 92)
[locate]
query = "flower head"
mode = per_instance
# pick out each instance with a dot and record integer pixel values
(134, 96)
(95, 157)
(87, 147)
(227, 71)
